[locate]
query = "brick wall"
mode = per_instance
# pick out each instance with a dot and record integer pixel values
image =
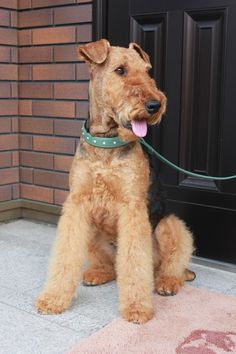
(44, 101)
(9, 154)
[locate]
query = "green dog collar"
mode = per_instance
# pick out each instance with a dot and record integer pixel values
(106, 143)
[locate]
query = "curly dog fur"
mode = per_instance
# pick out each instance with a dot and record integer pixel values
(105, 218)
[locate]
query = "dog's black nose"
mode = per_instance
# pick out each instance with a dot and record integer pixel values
(152, 106)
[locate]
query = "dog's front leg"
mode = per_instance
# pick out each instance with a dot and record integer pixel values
(68, 255)
(134, 263)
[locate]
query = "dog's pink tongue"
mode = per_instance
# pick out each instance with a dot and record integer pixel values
(139, 127)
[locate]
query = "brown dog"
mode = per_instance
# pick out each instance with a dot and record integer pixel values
(108, 199)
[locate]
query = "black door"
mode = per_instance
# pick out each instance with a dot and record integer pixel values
(192, 45)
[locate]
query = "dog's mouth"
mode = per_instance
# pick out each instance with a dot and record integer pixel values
(138, 127)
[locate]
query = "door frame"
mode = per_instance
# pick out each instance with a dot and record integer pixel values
(99, 19)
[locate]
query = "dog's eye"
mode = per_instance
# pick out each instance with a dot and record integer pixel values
(120, 71)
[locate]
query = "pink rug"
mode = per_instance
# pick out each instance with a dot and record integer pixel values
(195, 321)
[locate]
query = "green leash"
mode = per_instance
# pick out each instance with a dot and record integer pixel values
(116, 142)
(171, 164)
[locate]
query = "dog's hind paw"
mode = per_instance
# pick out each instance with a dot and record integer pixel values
(168, 286)
(98, 276)
(189, 275)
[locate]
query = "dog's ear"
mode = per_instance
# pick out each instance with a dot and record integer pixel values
(140, 51)
(94, 52)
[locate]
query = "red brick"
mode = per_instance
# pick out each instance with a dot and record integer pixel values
(5, 159)
(15, 125)
(14, 18)
(11, 4)
(84, 33)
(24, 4)
(5, 54)
(67, 127)
(9, 175)
(60, 196)
(8, 36)
(66, 52)
(73, 14)
(82, 110)
(54, 72)
(8, 108)
(82, 72)
(51, 179)
(9, 142)
(14, 55)
(25, 107)
(62, 162)
(35, 90)
(41, 194)
(35, 159)
(8, 72)
(35, 54)
(26, 175)
(15, 191)
(54, 35)
(24, 37)
(25, 72)
(5, 89)
(5, 193)
(52, 144)
(54, 109)
(5, 125)
(4, 17)
(25, 142)
(35, 18)
(78, 90)
(45, 3)
(15, 158)
(14, 89)
(34, 125)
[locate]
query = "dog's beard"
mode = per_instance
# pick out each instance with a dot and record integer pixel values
(155, 118)
(135, 119)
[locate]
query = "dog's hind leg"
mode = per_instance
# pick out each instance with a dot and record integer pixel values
(101, 256)
(174, 247)
(68, 256)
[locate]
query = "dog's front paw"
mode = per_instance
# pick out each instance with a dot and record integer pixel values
(48, 303)
(137, 313)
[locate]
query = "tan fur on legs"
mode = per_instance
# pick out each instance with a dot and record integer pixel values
(175, 247)
(101, 262)
(134, 263)
(67, 259)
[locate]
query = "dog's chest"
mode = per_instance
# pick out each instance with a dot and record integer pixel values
(105, 194)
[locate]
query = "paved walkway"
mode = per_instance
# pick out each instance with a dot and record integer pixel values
(24, 253)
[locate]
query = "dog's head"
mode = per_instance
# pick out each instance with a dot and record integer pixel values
(122, 88)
